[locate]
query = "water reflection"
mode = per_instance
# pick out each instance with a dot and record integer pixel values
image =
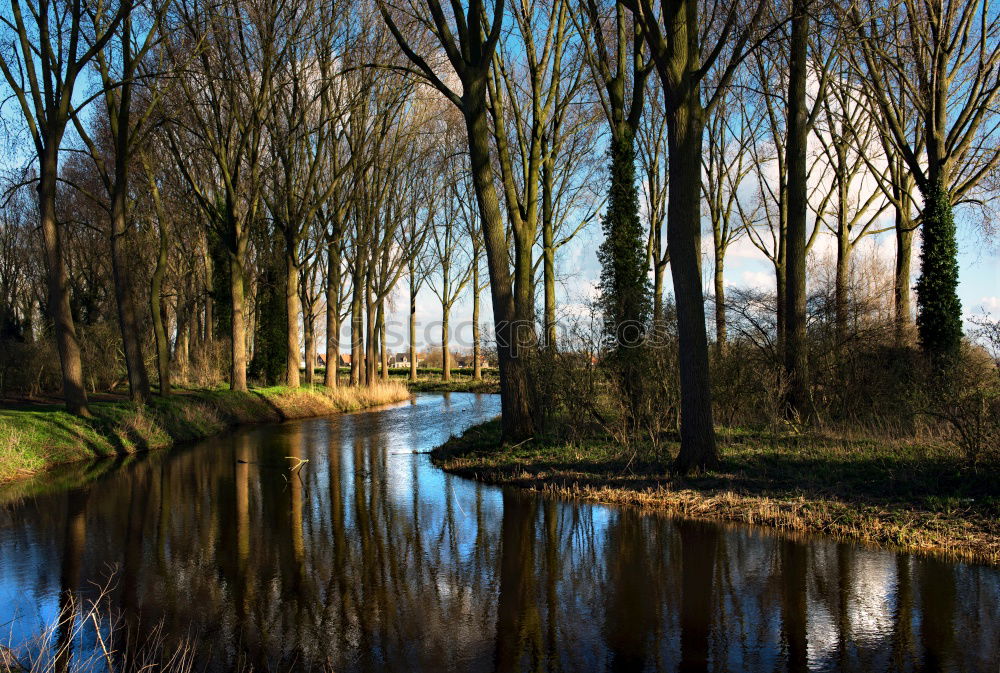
(369, 559)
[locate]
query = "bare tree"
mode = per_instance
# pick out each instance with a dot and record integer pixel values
(732, 127)
(118, 64)
(447, 236)
(953, 52)
(227, 94)
(42, 58)
(675, 37)
(652, 145)
(847, 137)
(469, 50)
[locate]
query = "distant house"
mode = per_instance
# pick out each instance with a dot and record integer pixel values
(320, 361)
(345, 359)
(400, 360)
(467, 360)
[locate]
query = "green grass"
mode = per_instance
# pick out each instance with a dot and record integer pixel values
(910, 495)
(39, 437)
(460, 383)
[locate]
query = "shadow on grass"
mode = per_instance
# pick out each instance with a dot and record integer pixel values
(860, 472)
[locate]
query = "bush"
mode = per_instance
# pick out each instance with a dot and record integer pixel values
(967, 399)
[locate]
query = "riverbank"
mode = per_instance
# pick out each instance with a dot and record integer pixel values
(458, 384)
(429, 380)
(36, 438)
(919, 498)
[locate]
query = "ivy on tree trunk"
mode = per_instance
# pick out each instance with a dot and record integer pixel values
(939, 310)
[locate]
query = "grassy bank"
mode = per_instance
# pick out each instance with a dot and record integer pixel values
(429, 380)
(891, 494)
(458, 384)
(36, 438)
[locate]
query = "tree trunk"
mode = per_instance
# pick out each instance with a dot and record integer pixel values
(901, 278)
(445, 353)
(238, 334)
(549, 254)
(842, 288)
(383, 349)
(796, 355)
(357, 325)
(658, 295)
(477, 349)
(720, 300)
(309, 344)
(182, 354)
(842, 284)
(781, 286)
(698, 447)
(138, 378)
(331, 378)
(156, 311)
(516, 422)
(209, 337)
(74, 391)
(135, 366)
(413, 325)
(370, 346)
(291, 315)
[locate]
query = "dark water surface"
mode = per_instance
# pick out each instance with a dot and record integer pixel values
(374, 560)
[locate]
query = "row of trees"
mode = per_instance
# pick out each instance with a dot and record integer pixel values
(268, 171)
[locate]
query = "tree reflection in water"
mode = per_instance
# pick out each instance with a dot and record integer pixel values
(370, 559)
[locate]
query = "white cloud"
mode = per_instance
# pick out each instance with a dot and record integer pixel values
(761, 280)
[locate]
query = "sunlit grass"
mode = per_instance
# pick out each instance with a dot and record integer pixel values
(32, 439)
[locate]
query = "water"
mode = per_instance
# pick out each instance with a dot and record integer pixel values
(371, 559)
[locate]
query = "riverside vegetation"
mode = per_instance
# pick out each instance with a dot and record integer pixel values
(893, 452)
(36, 437)
(902, 495)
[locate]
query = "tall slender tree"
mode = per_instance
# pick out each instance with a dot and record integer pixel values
(468, 35)
(683, 56)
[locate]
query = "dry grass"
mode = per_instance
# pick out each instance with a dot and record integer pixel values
(320, 401)
(119, 644)
(916, 499)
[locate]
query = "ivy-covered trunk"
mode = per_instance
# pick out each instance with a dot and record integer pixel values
(625, 291)
(939, 310)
